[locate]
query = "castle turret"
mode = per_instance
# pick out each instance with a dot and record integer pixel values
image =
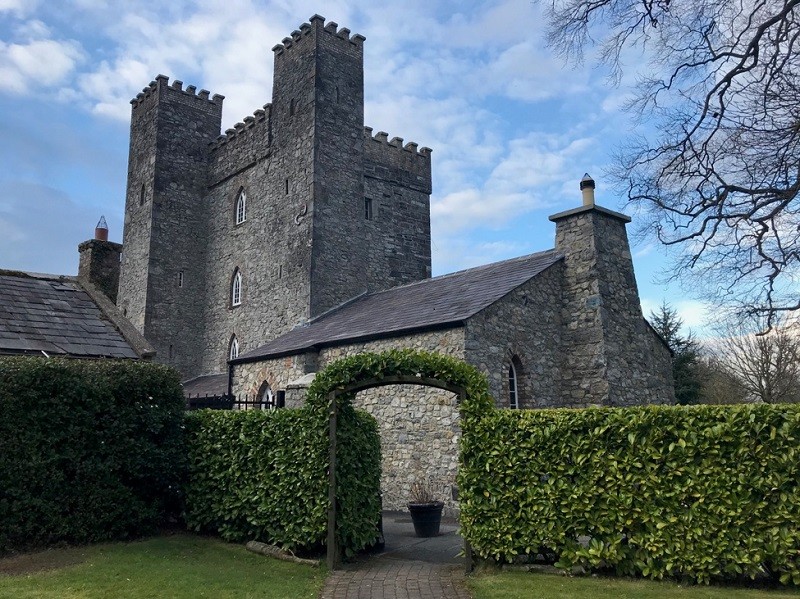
(232, 240)
(605, 349)
(161, 286)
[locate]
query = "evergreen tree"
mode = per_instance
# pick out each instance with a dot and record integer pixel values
(685, 353)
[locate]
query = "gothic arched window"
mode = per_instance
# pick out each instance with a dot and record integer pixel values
(514, 372)
(236, 288)
(233, 349)
(266, 397)
(241, 207)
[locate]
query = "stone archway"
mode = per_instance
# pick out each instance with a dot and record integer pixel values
(335, 386)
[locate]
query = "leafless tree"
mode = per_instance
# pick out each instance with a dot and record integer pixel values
(766, 365)
(718, 385)
(720, 175)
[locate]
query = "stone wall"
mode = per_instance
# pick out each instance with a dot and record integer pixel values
(607, 354)
(419, 426)
(526, 324)
(397, 182)
(99, 264)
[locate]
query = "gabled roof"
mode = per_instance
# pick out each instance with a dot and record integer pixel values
(443, 301)
(55, 315)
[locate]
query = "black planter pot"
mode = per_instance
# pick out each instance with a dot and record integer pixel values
(426, 518)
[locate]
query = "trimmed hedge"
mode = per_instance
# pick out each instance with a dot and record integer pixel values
(698, 492)
(89, 450)
(263, 475)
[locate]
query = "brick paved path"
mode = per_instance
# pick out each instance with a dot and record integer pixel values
(409, 567)
(387, 578)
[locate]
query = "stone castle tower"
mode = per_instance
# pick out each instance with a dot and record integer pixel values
(237, 238)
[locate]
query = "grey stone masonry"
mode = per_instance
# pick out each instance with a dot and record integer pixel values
(99, 264)
(607, 353)
(526, 325)
(419, 426)
(330, 210)
(162, 288)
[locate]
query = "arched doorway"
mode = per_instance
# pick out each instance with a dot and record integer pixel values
(334, 387)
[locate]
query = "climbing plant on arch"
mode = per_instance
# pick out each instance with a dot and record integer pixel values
(352, 514)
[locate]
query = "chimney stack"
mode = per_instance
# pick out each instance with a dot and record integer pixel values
(99, 261)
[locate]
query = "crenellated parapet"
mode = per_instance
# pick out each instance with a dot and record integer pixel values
(382, 138)
(258, 124)
(160, 89)
(406, 164)
(316, 26)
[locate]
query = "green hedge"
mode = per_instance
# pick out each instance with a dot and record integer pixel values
(263, 475)
(700, 492)
(89, 450)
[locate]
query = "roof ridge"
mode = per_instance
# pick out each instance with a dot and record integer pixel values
(40, 276)
(459, 272)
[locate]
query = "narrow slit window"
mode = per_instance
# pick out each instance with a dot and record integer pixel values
(287, 186)
(141, 195)
(368, 208)
(292, 106)
(241, 207)
(236, 289)
(180, 279)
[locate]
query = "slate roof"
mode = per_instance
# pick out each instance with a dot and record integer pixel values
(207, 384)
(432, 303)
(42, 313)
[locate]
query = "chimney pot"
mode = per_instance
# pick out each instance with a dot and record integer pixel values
(101, 230)
(587, 190)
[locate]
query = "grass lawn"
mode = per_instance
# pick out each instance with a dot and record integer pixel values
(519, 585)
(176, 566)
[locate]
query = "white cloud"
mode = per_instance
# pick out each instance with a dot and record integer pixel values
(454, 253)
(39, 63)
(697, 316)
(19, 7)
(514, 187)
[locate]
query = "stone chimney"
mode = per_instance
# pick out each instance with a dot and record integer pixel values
(99, 261)
(606, 344)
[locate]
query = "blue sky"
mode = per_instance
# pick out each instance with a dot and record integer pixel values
(512, 127)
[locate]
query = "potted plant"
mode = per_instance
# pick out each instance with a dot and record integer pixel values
(426, 510)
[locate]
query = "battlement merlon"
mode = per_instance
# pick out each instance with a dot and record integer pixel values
(317, 27)
(258, 122)
(382, 138)
(160, 89)
(407, 164)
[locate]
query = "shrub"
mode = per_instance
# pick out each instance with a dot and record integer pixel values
(263, 475)
(698, 492)
(89, 450)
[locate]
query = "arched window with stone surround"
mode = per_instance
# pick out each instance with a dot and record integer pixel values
(236, 288)
(233, 348)
(266, 397)
(241, 206)
(514, 379)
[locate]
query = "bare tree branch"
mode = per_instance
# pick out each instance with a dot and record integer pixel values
(720, 179)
